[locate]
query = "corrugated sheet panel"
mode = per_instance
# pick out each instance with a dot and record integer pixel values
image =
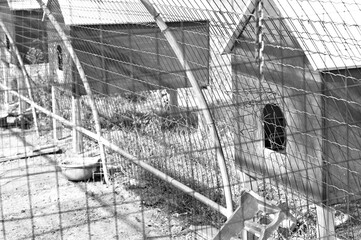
(325, 30)
(24, 4)
(130, 57)
(87, 12)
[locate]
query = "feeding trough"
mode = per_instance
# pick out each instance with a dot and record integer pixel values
(80, 168)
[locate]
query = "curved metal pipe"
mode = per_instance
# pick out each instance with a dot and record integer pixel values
(201, 102)
(128, 156)
(23, 71)
(87, 88)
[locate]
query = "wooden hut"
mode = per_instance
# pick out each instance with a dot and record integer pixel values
(301, 125)
(24, 20)
(121, 48)
(23, 23)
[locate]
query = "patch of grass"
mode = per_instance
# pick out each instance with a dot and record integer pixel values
(156, 193)
(174, 144)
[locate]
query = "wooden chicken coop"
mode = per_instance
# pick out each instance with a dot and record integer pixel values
(300, 126)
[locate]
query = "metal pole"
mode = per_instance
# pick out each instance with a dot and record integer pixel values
(126, 155)
(88, 90)
(201, 102)
(24, 73)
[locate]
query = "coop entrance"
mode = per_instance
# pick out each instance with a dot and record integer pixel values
(59, 53)
(274, 128)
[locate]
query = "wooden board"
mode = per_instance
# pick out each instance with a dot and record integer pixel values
(300, 165)
(343, 132)
(135, 57)
(322, 112)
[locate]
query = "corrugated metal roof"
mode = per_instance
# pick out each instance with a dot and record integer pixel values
(88, 12)
(24, 4)
(329, 32)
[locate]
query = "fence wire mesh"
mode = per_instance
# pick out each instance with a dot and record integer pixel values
(127, 150)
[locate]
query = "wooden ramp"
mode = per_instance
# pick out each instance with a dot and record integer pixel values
(27, 152)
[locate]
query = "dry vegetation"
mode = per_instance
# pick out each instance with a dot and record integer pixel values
(177, 144)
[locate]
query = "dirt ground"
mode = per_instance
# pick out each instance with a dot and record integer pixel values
(38, 202)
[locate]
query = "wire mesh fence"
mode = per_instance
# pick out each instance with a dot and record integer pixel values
(180, 119)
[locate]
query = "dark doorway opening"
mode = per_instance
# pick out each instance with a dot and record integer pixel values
(274, 128)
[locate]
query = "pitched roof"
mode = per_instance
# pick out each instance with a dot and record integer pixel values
(88, 12)
(329, 32)
(24, 4)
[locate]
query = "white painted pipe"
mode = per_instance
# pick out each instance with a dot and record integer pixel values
(200, 100)
(112, 146)
(23, 71)
(81, 72)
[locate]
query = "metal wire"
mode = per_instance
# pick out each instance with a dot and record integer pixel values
(306, 64)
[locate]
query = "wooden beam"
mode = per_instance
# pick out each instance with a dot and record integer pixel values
(22, 104)
(29, 154)
(173, 100)
(325, 223)
(76, 117)
(5, 73)
(57, 131)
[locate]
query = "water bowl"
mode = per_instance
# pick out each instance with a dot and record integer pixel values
(79, 168)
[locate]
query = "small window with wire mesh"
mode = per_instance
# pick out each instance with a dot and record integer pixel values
(274, 124)
(59, 52)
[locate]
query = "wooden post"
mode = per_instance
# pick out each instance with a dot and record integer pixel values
(325, 223)
(22, 104)
(103, 64)
(5, 72)
(173, 100)
(7, 98)
(57, 131)
(76, 117)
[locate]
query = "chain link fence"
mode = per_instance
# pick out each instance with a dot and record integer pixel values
(180, 119)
